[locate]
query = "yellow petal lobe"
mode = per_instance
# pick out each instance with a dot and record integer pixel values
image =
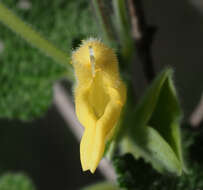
(99, 97)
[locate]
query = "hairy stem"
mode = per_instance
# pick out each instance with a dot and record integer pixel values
(104, 20)
(123, 28)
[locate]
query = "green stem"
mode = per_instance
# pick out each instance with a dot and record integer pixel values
(104, 20)
(9, 19)
(123, 26)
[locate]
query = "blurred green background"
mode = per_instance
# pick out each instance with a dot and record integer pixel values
(44, 148)
(41, 146)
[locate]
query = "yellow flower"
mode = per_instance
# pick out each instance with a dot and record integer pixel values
(99, 97)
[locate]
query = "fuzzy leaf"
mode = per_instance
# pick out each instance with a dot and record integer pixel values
(26, 75)
(137, 174)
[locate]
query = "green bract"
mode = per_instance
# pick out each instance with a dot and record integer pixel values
(155, 134)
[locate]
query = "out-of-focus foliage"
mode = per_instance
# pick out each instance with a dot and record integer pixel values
(155, 134)
(102, 186)
(15, 182)
(137, 175)
(26, 76)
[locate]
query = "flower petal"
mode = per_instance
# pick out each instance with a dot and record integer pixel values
(103, 126)
(86, 147)
(99, 98)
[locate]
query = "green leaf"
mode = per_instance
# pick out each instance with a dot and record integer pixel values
(137, 174)
(155, 134)
(26, 75)
(102, 186)
(15, 182)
